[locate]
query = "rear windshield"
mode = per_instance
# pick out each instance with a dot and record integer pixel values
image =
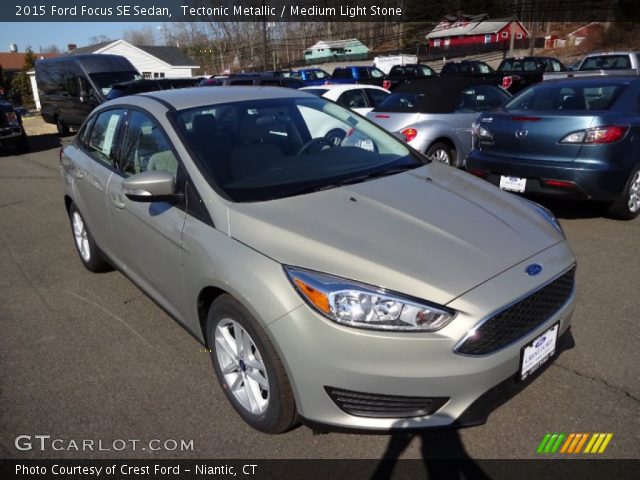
(607, 62)
(402, 102)
(567, 97)
(105, 80)
(317, 91)
(518, 65)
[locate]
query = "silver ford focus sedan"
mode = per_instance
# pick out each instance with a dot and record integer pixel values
(351, 284)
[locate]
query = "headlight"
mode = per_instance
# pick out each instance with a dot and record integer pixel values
(548, 216)
(364, 306)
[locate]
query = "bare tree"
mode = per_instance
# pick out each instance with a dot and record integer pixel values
(50, 49)
(99, 39)
(143, 36)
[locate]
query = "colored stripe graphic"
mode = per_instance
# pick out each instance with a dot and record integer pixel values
(567, 442)
(582, 440)
(543, 443)
(598, 442)
(573, 443)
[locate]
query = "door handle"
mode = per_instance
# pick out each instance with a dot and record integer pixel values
(116, 199)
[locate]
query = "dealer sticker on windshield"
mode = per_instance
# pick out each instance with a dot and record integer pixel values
(513, 184)
(538, 352)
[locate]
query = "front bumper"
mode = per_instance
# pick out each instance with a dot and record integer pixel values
(320, 354)
(593, 179)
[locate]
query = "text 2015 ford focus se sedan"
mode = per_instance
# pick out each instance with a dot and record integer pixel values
(352, 284)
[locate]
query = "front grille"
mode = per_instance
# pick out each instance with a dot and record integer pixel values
(521, 318)
(384, 406)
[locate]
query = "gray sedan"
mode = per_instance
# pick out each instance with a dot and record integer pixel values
(319, 275)
(435, 115)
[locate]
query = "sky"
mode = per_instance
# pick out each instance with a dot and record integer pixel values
(42, 34)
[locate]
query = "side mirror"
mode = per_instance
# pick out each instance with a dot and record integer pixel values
(153, 186)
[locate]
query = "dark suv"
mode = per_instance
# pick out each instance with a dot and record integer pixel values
(11, 129)
(355, 74)
(466, 67)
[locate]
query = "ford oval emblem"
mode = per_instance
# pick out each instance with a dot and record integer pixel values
(533, 269)
(540, 342)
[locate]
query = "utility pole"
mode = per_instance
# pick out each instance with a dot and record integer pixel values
(265, 59)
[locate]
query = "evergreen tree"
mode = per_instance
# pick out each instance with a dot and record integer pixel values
(29, 60)
(21, 85)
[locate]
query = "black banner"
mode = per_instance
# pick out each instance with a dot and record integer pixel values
(319, 469)
(312, 10)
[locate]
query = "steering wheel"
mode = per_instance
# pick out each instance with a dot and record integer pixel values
(321, 141)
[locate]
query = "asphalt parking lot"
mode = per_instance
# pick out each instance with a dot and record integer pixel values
(86, 356)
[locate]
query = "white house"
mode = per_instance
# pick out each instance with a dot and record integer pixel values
(150, 61)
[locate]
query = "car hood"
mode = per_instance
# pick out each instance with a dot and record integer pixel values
(434, 232)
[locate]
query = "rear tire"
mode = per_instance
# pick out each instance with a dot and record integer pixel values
(63, 128)
(90, 255)
(442, 153)
(248, 368)
(627, 206)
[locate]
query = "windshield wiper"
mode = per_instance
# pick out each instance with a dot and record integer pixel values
(353, 180)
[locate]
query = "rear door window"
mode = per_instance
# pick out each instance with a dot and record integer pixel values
(103, 138)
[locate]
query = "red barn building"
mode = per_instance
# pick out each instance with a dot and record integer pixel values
(475, 30)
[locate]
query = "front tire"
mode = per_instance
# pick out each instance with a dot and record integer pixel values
(90, 255)
(248, 368)
(23, 144)
(627, 206)
(442, 153)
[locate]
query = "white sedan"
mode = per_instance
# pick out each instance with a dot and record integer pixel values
(359, 98)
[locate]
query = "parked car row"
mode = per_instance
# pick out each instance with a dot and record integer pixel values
(594, 157)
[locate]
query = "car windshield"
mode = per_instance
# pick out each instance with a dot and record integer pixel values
(571, 96)
(259, 150)
(105, 80)
(607, 62)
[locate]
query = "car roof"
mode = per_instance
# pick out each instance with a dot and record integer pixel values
(180, 99)
(340, 87)
(592, 80)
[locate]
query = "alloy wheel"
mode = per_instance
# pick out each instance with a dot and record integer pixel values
(634, 193)
(80, 236)
(241, 364)
(441, 156)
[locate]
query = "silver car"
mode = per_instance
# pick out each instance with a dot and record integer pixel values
(353, 285)
(435, 115)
